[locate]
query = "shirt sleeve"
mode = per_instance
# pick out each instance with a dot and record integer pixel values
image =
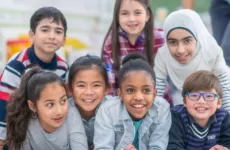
(176, 134)
(104, 136)
(9, 82)
(159, 137)
(107, 58)
(158, 39)
(225, 132)
(78, 139)
(161, 73)
(224, 81)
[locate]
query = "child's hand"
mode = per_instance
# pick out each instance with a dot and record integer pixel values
(129, 147)
(218, 147)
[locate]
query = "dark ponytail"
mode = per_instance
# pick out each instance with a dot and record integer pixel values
(18, 112)
(135, 62)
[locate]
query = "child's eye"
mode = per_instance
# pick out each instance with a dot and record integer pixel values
(130, 90)
(138, 12)
(59, 32)
(44, 30)
(147, 90)
(172, 42)
(97, 85)
(187, 41)
(80, 85)
(49, 104)
(63, 101)
(124, 13)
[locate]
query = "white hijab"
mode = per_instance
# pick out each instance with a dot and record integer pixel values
(209, 55)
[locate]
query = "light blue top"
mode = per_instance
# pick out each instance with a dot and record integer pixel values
(114, 127)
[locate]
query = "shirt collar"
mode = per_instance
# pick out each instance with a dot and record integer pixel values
(140, 38)
(52, 65)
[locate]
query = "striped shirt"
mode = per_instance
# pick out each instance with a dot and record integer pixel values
(224, 80)
(185, 133)
(126, 47)
(11, 77)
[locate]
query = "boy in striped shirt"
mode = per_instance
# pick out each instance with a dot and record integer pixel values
(48, 28)
(201, 123)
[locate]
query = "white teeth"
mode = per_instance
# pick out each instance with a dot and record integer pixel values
(88, 100)
(201, 108)
(138, 106)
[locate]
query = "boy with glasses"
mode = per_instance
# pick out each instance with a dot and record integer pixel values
(201, 123)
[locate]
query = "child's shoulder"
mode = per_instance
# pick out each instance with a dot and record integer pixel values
(111, 103)
(61, 63)
(161, 103)
(178, 108)
(158, 32)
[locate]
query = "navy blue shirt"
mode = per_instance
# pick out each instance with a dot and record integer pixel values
(186, 134)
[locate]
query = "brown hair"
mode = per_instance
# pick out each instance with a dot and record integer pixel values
(18, 111)
(114, 29)
(202, 80)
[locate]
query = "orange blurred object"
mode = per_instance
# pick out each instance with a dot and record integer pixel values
(16, 45)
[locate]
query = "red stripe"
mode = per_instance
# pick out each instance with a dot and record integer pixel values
(25, 57)
(4, 96)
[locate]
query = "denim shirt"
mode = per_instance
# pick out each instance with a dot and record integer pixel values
(114, 127)
(89, 124)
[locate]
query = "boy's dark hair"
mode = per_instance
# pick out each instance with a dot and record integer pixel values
(201, 81)
(50, 13)
(135, 62)
(87, 62)
(18, 111)
(114, 28)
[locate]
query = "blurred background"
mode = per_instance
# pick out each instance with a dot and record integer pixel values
(88, 22)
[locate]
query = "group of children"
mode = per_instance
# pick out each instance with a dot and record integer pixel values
(116, 102)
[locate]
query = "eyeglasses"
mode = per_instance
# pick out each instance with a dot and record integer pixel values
(196, 96)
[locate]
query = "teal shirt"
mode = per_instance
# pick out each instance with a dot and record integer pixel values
(136, 139)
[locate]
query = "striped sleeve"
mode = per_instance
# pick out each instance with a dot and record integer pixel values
(160, 86)
(226, 90)
(9, 81)
(160, 71)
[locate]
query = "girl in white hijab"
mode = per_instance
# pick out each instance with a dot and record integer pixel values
(189, 47)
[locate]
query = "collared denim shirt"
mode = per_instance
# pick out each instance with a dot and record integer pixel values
(114, 127)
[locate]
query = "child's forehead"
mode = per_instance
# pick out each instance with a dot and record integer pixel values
(212, 90)
(50, 21)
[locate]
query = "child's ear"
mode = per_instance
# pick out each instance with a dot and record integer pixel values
(155, 92)
(184, 100)
(69, 90)
(31, 36)
(219, 103)
(31, 106)
(119, 93)
(63, 44)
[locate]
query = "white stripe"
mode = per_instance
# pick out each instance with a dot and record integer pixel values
(62, 64)
(194, 132)
(59, 72)
(2, 123)
(21, 55)
(2, 133)
(26, 63)
(11, 79)
(12, 69)
(6, 90)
